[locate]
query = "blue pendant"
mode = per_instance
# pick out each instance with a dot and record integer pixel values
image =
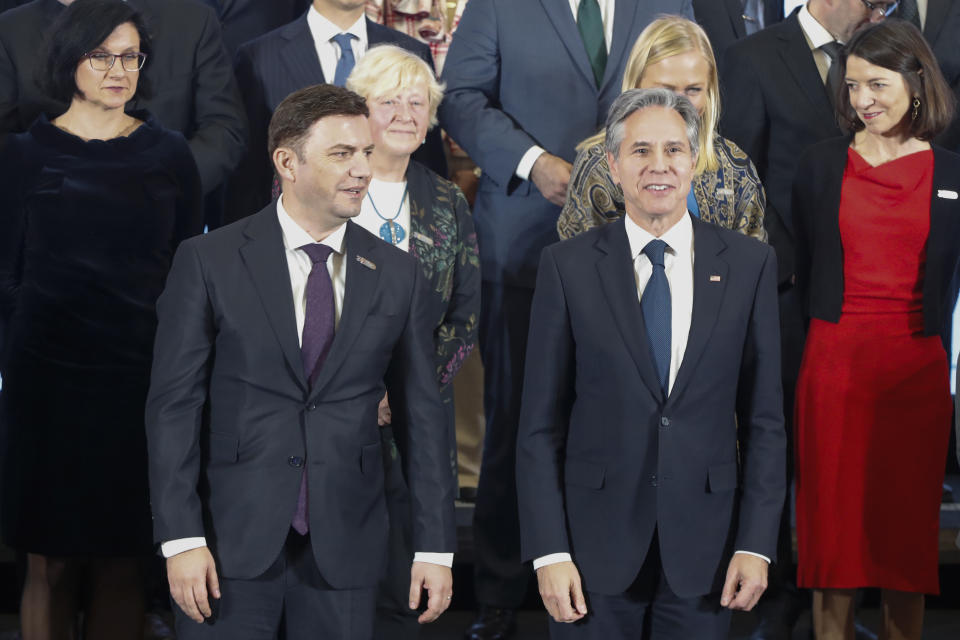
(392, 232)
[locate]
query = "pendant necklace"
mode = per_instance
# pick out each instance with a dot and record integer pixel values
(391, 231)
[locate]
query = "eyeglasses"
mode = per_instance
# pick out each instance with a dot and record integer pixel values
(100, 61)
(886, 8)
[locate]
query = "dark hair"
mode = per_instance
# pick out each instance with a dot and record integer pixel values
(899, 46)
(78, 30)
(299, 111)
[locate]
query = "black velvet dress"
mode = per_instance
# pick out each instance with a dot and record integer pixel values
(87, 233)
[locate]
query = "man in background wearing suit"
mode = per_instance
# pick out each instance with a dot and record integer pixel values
(321, 46)
(526, 82)
(276, 337)
(194, 91)
(244, 20)
(651, 450)
(727, 21)
(777, 102)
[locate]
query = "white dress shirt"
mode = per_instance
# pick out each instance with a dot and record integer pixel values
(606, 14)
(328, 51)
(678, 265)
(817, 36)
(299, 266)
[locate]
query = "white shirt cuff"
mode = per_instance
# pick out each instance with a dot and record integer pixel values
(443, 559)
(751, 553)
(552, 558)
(173, 547)
(525, 166)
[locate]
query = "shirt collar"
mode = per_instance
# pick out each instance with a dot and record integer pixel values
(817, 34)
(323, 30)
(679, 237)
(294, 236)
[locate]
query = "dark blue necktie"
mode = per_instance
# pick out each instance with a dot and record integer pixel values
(318, 326)
(655, 303)
(346, 61)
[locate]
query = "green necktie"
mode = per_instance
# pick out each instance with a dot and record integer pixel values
(590, 24)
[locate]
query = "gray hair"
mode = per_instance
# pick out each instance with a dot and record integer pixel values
(629, 102)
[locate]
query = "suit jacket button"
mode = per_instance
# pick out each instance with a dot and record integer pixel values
(295, 461)
(312, 407)
(653, 480)
(664, 421)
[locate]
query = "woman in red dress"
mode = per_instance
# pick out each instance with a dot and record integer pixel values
(878, 226)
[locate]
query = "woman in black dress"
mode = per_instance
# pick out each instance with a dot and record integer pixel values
(92, 205)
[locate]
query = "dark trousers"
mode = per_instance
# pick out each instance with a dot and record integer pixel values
(500, 579)
(291, 599)
(648, 610)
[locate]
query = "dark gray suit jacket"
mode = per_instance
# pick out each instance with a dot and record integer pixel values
(231, 419)
(723, 20)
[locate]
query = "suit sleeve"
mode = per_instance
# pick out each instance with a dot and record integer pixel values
(183, 352)
(544, 418)
(744, 118)
(8, 94)
(458, 331)
(248, 189)
(219, 132)
(415, 394)
(189, 221)
(802, 221)
(760, 425)
(470, 111)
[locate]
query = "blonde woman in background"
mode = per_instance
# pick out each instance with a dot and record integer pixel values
(672, 53)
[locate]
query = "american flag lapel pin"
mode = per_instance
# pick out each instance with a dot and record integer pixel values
(714, 278)
(366, 263)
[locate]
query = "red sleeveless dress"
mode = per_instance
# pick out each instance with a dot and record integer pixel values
(873, 406)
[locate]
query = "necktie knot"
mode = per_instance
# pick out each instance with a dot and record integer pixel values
(832, 49)
(318, 252)
(343, 41)
(654, 251)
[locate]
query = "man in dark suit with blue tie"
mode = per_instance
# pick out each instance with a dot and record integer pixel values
(321, 46)
(651, 448)
(278, 336)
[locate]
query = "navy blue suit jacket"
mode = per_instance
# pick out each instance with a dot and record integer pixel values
(273, 66)
(723, 20)
(517, 75)
(603, 458)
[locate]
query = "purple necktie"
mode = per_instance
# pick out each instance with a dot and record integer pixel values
(318, 327)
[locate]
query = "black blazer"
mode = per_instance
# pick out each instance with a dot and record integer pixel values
(244, 20)
(603, 458)
(193, 86)
(941, 29)
(723, 20)
(272, 67)
(774, 106)
(816, 203)
(231, 418)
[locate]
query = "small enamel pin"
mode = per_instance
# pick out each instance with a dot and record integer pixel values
(366, 263)
(727, 193)
(946, 194)
(714, 278)
(422, 238)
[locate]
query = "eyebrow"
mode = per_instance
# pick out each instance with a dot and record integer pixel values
(644, 143)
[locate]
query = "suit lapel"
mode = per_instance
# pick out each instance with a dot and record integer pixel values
(266, 262)
(558, 11)
(619, 286)
(798, 58)
(936, 16)
(735, 13)
(300, 54)
(361, 283)
(624, 13)
(709, 283)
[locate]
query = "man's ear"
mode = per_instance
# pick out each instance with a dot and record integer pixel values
(285, 163)
(614, 168)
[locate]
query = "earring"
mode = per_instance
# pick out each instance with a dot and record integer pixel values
(916, 108)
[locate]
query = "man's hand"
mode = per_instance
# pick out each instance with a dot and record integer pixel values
(561, 591)
(746, 581)
(193, 574)
(551, 175)
(438, 581)
(384, 415)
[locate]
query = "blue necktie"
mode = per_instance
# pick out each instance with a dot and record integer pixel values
(346, 61)
(318, 325)
(655, 303)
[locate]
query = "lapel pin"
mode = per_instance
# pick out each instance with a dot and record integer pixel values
(422, 238)
(366, 263)
(946, 194)
(714, 278)
(727, 193)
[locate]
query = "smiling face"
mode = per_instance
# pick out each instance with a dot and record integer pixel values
(330, 177)
(399, 120)
(686, 74)
(879, 95)
(654, 165)
(113, 88)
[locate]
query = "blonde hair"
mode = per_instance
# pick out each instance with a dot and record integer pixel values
(665, 37)
(387, 68)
